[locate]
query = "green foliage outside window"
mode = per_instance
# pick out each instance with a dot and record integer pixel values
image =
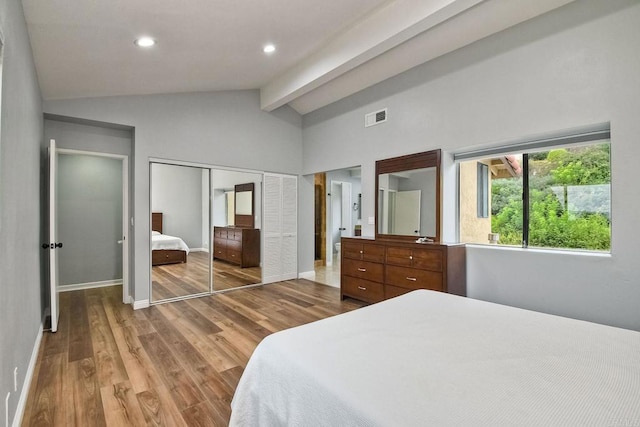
(568, 198)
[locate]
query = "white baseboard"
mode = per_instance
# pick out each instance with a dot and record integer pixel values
(26, 385)
(89, 285)
(143, 303)
(309, 275)
(198, 250)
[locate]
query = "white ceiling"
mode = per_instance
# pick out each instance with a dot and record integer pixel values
(326, 49)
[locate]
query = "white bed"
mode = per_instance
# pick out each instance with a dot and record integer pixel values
(430, 358)
(165, 242)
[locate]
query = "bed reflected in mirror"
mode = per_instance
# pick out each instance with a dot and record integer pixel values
(180, 232)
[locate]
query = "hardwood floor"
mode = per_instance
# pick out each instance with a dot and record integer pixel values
(192, 277)
(174, 364)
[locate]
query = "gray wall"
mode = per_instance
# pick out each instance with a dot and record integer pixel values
(86, 136)
(21, 302)
(219, 129)
(176, 191)
(99, 137)
(89, 208)
(573, 67)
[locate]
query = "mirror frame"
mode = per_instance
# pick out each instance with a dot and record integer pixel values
(245, 221)
(423, 160)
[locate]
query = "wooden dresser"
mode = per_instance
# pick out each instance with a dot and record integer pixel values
(373, 270)
(237, 245)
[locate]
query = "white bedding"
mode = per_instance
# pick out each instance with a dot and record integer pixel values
(430, 358)
(163, 241)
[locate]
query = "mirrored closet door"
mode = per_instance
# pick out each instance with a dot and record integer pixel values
(237, 234)
(181, 231)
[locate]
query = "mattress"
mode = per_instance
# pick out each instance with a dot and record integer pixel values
(166, 242)
(430, 358)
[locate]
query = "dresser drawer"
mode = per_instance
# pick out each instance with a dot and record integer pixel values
(219, 248)
(351, 249)
(361, 289)
(235, 234)
(234, 255)
(363, 269)
(412, 278)
(399, 256)
(428, 259)
(234, 245)
(159, 257)
(220, 232)
(363, 251)
(372, 252)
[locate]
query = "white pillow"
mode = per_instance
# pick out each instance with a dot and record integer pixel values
(155, 233)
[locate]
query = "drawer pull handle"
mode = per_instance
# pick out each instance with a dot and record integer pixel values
(361, 252)
(413, 279)
(362, 269)
(410, 256)
(362, 288)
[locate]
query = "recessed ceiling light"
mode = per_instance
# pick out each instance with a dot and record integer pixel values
(145, 42)
(269, 48)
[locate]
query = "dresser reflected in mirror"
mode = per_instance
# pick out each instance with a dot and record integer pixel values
(236, 222)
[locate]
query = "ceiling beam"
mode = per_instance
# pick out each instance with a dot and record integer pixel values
(344, 67)
(384, 28)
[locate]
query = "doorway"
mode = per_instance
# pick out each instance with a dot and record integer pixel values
(337, 214)
(92, 211)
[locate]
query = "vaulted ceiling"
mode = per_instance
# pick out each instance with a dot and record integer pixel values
(325, 50)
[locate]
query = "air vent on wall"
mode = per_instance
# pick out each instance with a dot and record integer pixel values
(375, 118)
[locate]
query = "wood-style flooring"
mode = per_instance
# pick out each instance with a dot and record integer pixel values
(192, 277)
(175, 364)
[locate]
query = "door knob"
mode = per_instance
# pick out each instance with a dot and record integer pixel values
(51, 245)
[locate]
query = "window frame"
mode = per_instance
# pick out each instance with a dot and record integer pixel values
(569, 138)
(483, 190)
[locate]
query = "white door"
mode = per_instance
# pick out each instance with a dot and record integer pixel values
(53, 237)
(346, 228)
(407, 213)
(280, 228)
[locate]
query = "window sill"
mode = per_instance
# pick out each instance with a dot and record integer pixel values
(573, 252)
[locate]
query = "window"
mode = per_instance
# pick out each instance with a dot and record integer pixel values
(554, 194)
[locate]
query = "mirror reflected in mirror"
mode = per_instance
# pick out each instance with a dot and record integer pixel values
(244, 203)
(408, 197)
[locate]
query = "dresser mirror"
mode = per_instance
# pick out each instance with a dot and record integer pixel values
(408, 197)
(244, 205)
